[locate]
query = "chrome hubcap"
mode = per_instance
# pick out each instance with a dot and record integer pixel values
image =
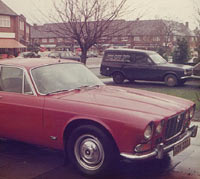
(89, 152)
(171, 81)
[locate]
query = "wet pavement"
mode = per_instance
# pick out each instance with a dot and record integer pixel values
(25, 161)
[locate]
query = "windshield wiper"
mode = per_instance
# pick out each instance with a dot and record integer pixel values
(58, 91)
(88, 86)
(78, 88)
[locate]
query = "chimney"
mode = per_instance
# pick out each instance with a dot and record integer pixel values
(187, 24)
(35, 26)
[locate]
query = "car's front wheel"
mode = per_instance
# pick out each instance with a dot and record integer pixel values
(118, 77)
(90, 150)
(171, 80)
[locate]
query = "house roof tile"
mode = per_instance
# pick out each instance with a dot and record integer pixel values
(5, 10)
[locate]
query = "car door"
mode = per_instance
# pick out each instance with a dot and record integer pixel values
(141, 67)
(20, 108)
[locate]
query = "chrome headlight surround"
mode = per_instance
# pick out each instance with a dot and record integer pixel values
(148, 133)
(187, 115)
(188, 71)
(191, 112)
(159, 127)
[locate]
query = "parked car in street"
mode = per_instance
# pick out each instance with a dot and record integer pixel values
(64, 55)
(133, 64)
(28, 55)
(44, 53)
(92, 54)
(62, 105)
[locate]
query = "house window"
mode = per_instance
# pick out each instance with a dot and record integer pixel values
(36, 40)
(59, 39)
(193, 39)
(51, 40)
(124, 39)
(27, 30)
(136, 38)
(114, 39)
(4, 21)
(21, 25)
(146, 38)
(167, 39)
(174, 38)
(44, 40)
(156, 39)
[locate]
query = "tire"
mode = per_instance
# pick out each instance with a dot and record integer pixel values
(80, 150)
(118, 77)
(171, 80)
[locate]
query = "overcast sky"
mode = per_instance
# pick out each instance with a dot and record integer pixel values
(180, 10)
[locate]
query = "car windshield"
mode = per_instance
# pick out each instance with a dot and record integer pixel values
(63, 77)
(157, 58)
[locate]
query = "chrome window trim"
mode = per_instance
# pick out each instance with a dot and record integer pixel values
(25, 73)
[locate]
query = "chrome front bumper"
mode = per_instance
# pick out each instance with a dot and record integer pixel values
(191, 77)
(159, 151)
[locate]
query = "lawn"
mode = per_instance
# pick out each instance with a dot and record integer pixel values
(191, 90)
(187, 93)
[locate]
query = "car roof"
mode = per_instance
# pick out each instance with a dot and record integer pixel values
(33, 62)
(129, 50)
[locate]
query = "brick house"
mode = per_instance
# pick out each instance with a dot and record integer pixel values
(141, 34)
(50, 36)
(14, 31)
(151, 34)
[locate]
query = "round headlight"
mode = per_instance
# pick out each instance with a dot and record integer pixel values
(191, 112)
(159, 128)
(148, 132)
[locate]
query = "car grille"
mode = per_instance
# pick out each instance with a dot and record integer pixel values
(196, 69)
(174, 126)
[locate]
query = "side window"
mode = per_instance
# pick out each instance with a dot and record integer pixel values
(109, 57)
(11, 79)
(126, 58)
(117, 57)
(141, 59)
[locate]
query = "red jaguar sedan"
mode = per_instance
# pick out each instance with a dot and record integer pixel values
(62, 105)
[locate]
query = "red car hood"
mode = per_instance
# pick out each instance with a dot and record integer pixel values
(128, 99)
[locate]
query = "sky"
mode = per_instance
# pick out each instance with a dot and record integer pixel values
(38, 11)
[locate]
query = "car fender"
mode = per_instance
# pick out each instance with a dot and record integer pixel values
(115, 132)
(85, 120)
(170, 73)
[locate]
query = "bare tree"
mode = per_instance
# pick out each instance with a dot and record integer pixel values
(87, 22)
(167, 29)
